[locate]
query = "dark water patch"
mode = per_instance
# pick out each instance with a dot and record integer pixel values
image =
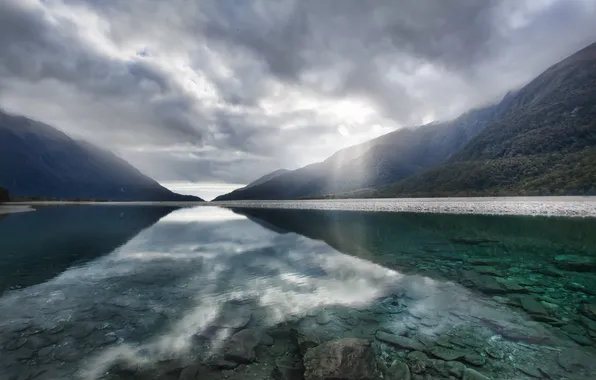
(37, 246)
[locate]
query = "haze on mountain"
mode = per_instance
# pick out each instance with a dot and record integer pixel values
(219, 92)
(539, 140)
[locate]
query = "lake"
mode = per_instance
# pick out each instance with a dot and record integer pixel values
(163, 292)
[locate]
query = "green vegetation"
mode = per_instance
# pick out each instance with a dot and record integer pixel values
(544, 144)
(545, 174)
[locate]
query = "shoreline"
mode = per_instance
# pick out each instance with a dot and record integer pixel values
(12, 209)
(564, 206)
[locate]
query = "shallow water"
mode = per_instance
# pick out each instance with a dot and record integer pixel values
(141, 292)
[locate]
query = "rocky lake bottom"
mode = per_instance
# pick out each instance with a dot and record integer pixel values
(150, 292)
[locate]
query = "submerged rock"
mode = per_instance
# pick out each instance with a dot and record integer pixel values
(577, 362)
(240, 347)
(532, 306)
(447, 354)
(470, 374)
(400, 341)
(342, 359)
(576, 263)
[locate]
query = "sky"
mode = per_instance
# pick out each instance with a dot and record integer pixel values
(212, 94)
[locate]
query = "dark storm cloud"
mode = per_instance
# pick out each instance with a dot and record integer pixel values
(248, 86)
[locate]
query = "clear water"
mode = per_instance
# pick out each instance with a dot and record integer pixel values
(150, 292)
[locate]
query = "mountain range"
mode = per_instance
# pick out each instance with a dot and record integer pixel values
(538, 140)
(37, 160)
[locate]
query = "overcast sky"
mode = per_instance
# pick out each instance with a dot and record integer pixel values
(225, 91)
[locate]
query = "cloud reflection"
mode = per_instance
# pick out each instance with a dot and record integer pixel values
(173, 282)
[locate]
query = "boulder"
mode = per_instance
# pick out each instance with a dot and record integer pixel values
(240, 348)
(342, 359)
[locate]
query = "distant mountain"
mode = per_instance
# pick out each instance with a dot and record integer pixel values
(543, 144)
(265, 178)
(377, 162)
(37, 160)
(538, 140)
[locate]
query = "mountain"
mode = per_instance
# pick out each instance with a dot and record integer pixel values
(266, 178)
(37, 160)
(377, 162)
(538, 140)
(543, 144)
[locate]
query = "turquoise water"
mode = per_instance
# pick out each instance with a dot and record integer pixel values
(150, 292)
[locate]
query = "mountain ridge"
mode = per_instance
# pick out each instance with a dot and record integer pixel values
(538, 140)
(37, 160)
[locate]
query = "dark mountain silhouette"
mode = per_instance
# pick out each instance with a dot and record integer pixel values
(66, 236)
(37, 160)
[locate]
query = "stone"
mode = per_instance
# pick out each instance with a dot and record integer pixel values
(306, 340)
(455, 368)
(582, 340)
(288, 370)
(15, 344)
(470, 374)
(587, 322)
(484, 283)
(577, 362)
(577, 287)
(323, 317)
(475, 360)
(589, 310)
(342, 359)
(399, 341)
(494, 353)
(446, 354)
(576, 263)
(240, 348)
(547, 271)
(530, 371)
(398, 371)
(512, 286)
(418, 361)
(532, 306)
(235, 316)
(194, 371)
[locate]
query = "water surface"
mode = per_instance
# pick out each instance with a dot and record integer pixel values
(118, 292)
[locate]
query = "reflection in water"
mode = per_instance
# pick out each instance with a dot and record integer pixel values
(36, 246)
(206, 289)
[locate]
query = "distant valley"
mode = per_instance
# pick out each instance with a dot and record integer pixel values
(539, 140)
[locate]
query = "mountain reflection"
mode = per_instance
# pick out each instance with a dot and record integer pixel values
(36, 246)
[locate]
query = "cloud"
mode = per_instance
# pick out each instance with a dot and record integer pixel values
(248, 87)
